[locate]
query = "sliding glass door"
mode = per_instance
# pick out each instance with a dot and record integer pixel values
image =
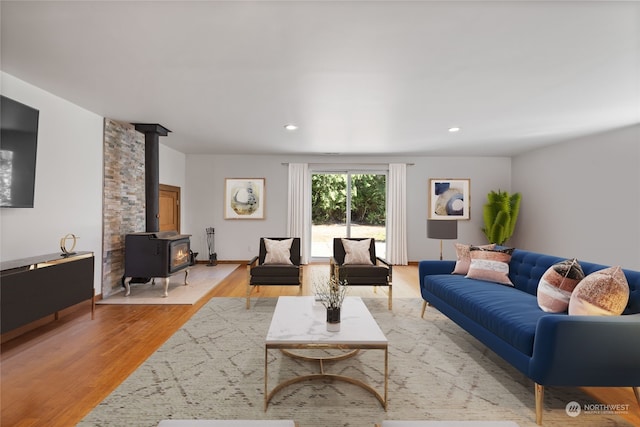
(347, 204)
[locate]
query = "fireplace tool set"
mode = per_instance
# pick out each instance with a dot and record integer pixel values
(211, 244)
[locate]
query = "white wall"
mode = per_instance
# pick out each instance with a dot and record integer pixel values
(68, 191)
(238, 239)
(172, 165)
(582, 198)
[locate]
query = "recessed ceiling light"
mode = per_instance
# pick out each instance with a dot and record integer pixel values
(290, 126)
(454, 129)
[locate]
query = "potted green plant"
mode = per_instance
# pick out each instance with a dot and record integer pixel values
(500, 216)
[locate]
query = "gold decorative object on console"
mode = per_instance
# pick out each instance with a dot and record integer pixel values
(63, 244)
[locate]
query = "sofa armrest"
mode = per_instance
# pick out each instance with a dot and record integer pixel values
(587, 351)
(432, 267)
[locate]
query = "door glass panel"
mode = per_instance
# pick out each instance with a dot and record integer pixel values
(368, 209)
(347, 205)
(328, 212)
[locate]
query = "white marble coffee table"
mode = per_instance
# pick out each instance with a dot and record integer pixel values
(300, 323)
(447, 424)
(227, 423)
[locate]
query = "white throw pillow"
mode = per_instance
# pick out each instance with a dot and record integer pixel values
(357, 251)
(278, 251)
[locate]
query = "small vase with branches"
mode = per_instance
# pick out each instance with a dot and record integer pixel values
(331, 292)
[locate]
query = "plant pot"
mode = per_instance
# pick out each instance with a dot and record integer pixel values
(333, 319)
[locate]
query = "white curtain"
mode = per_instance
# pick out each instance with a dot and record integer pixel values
(397, 214)
(299, 207)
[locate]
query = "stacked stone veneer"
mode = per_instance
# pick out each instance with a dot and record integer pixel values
(123, 198)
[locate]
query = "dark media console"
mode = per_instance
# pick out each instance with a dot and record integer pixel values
(32, 288)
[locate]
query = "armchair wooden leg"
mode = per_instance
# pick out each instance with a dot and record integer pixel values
(539, 393)
(390, 297)
(424, 308)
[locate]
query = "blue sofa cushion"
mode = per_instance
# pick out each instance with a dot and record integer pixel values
(508, 313)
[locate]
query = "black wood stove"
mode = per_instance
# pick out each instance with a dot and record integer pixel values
(155, 254)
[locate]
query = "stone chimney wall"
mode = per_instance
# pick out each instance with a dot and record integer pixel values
(123, 197)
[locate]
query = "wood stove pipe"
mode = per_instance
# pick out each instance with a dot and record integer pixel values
(152, 133)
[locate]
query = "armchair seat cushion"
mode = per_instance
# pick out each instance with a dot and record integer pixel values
(275, 274)
(364, 274)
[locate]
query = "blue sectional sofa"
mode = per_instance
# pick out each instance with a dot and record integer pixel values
(550, 349)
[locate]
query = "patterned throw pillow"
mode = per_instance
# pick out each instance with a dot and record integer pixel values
(557, 284)
(601, 293)
(357, 251)
(463, 257)
(278, 251)
(491, 265)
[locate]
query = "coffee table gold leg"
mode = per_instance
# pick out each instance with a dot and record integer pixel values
(386, 375)
(324, 375)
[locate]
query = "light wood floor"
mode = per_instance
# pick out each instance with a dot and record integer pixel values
(56, 374)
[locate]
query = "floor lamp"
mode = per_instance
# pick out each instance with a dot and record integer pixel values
(442, 229)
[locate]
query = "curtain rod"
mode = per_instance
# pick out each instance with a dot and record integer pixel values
(356, 164)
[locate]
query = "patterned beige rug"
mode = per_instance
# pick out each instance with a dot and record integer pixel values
(213, 368)
(201, 280)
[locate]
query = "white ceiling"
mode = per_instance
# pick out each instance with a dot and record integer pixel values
(357, 77)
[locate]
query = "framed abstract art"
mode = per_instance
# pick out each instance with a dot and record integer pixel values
(449, 199)
(244, 198)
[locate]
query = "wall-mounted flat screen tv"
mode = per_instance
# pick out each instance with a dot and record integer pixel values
(18, 145)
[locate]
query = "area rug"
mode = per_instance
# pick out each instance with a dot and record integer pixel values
(201, 279)
(213, 368)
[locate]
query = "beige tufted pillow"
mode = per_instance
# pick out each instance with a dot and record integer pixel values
(278, 251)
(357, 251)
(602, 293)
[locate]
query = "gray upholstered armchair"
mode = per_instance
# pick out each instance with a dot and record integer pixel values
(277, 263)
(354, 260)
